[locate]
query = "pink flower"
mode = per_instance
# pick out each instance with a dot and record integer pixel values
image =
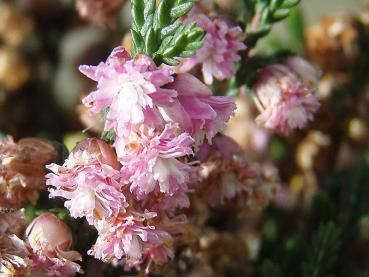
(22, 169)
(286, 101)
(90, 180)
(128, 88)
(197, 111)
(50, 241)
(151, 161)
(219, 52)
(135, 92)
(132, 236)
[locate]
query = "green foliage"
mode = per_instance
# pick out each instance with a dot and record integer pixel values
(261, 14)
(323, 252)
(278, 148)
(270, 269)
(157, 32)
(357, 177)
(108, 136)
(61, 213)
(296, 26)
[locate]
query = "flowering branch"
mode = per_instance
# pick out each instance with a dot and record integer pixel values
(157, 32)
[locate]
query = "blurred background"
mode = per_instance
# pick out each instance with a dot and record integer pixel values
(324, 172)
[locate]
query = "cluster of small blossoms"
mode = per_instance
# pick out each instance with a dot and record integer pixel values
(39, 251)
(285, 95)
(227, 178)
(131, 192)
(219, 53)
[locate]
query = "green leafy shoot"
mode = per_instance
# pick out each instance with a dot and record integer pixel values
(323, 253)
(157, 32)
(262, 16)
(108, 136)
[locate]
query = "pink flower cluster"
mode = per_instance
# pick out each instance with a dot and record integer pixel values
(90, 180)
(285, 95)
(136, 93)
(131, 193)
(219, 52)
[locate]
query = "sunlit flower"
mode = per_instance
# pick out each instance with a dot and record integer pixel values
(137, 238)
(127, 89)
(219, 52)
(151, 161)
(22, 169)
(285, 96)
(197, 111)
(89, 179)
(50, 241)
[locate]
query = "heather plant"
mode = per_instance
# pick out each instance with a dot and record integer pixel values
(202, 153)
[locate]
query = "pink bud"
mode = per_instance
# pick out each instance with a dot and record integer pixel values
(101, 149)
(50, 240)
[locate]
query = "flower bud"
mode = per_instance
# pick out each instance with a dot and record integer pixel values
(99, 149)
(50, 241)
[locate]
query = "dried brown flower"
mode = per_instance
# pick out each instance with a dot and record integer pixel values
(100, 12)
(228, 178)
(333, 42)
(14, 71)
(310, 149)
(22, 169)
(14, 261)
(14, 26)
